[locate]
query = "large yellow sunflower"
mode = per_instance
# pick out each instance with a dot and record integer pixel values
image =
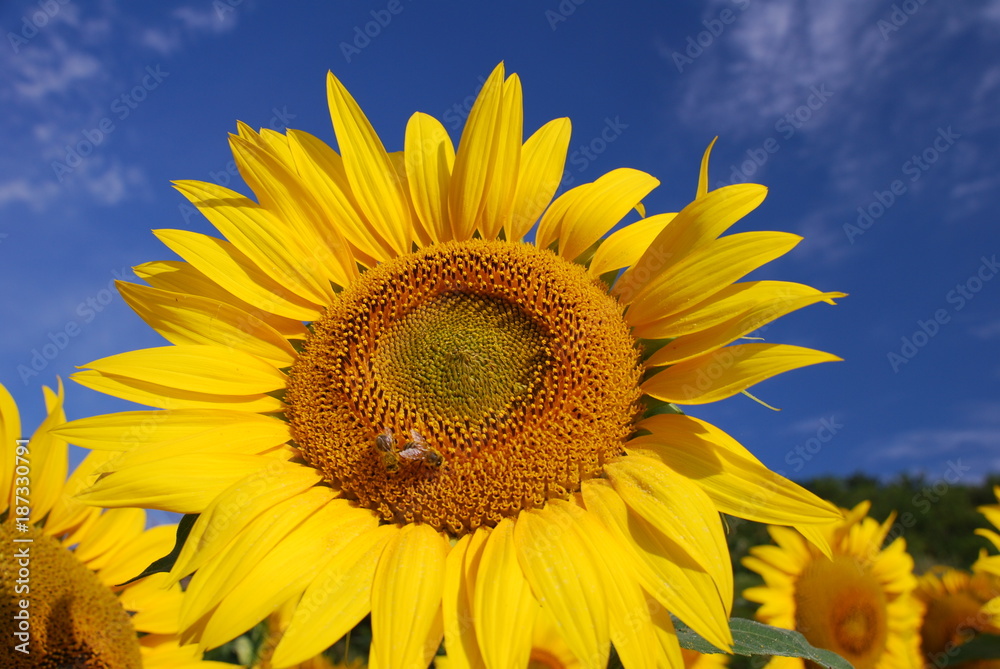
(956, 609)
(61, 603)
(380, 398)
(860, 604)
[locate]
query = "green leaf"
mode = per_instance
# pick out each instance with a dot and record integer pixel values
(166, 563)
(982, 647)
(753, 638)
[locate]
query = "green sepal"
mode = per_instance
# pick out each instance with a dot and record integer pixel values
(166, 563)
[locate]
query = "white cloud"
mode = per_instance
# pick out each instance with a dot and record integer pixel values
(916, 449)
(189, 23)
(61, 82)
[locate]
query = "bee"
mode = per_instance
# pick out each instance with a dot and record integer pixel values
(386, 445)
(417, 450)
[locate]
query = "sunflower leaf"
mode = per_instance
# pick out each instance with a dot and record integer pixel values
(753, 638)
(166, 563)
(982, 647)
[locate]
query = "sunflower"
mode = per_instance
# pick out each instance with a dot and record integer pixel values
(956, 609)
(858, 604)
(990, 563)
(380, 398)
(62, 603)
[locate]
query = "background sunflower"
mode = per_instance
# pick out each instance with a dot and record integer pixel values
(82, 609)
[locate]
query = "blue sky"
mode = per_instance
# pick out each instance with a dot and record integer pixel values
(875, 125)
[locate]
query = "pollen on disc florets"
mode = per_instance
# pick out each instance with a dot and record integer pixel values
(74, 620)
(465, 382)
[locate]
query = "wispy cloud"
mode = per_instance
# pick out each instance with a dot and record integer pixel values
(187, 24)
(58, 86)
(923, 450)
(766, 61)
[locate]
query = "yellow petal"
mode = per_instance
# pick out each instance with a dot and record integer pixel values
(10, 431)
(229, 267)
(286, 571)
(624, 247)
(114, 530)
(679, 585)
(461, 566)
(268, 242)
(180, 277)
(751, 320)
(721, 307)
(406, 598)
(723, 373)
(255, 539)
(706, 271)
(48, 459)
(165, 397)
(336, 600)
(503, 605)
(632, 630)
(543, 158)
(198, 368)
(565, 580)
(703, 172)
(506, 164)
(593, 209)
(156, 609)
(476, 157)
(323, 254)
(135, 554)
(373, 179)
(322, 169)
(173, 484)
(430, 157)
(70, 518)
(737, 482)
(679, 510)
(126, 430)
(188, 319)
(701, 221)
(247, 499)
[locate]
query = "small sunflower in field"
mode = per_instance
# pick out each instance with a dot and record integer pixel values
(956, 604)
(412, 384)
(858, 604)
(63, 603)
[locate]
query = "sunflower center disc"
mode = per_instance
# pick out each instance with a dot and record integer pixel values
(75, 620)
(465, 382)
(843, 608)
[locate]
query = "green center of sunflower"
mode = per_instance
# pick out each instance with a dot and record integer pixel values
(461, 356)
(841, 606)
(71, 620)
(465, 382)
